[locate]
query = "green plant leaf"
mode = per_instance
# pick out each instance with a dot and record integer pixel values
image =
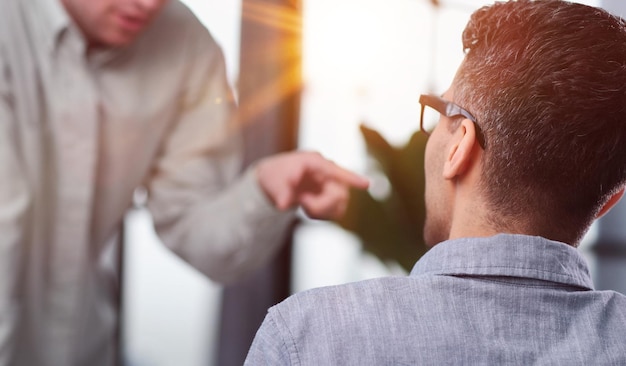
(392, 228)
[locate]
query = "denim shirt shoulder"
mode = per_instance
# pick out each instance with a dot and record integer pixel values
(507, 299)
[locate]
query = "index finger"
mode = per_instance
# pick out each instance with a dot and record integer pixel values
(330, 170)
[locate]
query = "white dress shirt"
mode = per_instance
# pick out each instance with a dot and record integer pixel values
(79, 132)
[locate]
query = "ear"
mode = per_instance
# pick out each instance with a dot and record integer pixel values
(610, 203)
(460, 153)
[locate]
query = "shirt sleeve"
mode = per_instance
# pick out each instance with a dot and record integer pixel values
(208, 213)
(14, 203)
(270, 345)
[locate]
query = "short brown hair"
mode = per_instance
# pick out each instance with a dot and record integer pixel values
(546, 81)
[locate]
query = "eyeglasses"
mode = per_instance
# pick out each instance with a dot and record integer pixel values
(429, 118)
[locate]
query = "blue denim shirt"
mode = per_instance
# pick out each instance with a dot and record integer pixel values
(504, 300)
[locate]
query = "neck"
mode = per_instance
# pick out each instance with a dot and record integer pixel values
(470, 219)
(470, 211)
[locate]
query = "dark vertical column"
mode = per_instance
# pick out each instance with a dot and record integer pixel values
(269, 100)
(609, 250)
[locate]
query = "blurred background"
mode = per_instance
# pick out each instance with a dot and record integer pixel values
(341, 77)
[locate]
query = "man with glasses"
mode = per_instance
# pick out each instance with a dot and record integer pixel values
(527, 150)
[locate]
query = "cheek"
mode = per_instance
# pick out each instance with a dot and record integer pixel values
(432, 155)
(430, 175)
(433, 170)
(100, 18)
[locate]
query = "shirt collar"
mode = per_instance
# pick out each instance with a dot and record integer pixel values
(52, 20)
(507, 255)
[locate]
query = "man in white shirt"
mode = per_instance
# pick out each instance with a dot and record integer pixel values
(96, 99)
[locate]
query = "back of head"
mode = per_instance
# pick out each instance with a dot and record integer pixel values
(546, 81)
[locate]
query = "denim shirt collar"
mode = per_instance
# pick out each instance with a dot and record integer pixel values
(507, 255)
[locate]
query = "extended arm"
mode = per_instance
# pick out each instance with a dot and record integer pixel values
(204, 210)
(225, 223)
